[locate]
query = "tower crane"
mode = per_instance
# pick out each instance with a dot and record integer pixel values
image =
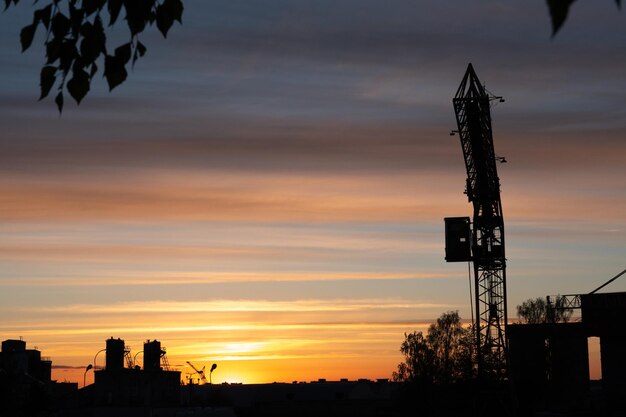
(200, 372)
(482, 240)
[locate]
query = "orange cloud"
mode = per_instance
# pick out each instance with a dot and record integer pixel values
(221, 196)
(133, 278)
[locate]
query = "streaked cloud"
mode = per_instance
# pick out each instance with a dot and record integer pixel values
(184, 277)
(235, 306)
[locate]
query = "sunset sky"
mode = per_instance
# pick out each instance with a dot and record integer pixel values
(267, 189)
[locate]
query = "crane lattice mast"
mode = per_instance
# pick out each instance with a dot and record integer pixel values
(473, 116)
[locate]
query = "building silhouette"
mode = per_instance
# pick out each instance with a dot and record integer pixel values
(549, 362)
(120, 386)
(26, 387)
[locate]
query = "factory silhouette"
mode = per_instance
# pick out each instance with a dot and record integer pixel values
(123, 388)
(548, 372)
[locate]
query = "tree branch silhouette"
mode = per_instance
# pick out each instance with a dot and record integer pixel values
(76, 42)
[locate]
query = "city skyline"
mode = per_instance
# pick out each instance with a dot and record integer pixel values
(267, 189)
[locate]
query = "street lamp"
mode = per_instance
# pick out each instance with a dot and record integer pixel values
(211, 373)
(85, 375)
(135, 357)
(94, 359)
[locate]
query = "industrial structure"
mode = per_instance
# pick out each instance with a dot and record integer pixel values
(119, 385)
(201, 376)
(26, 386)
(481, 240)
(549, 362)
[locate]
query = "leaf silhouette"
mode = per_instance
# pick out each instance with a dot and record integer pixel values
(26, 36)
(558, 13)
(60, 25)
(48, 77)
(59, 101)
(114, 71)
(78, 86)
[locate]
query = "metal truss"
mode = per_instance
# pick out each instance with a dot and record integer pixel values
(472, 108)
